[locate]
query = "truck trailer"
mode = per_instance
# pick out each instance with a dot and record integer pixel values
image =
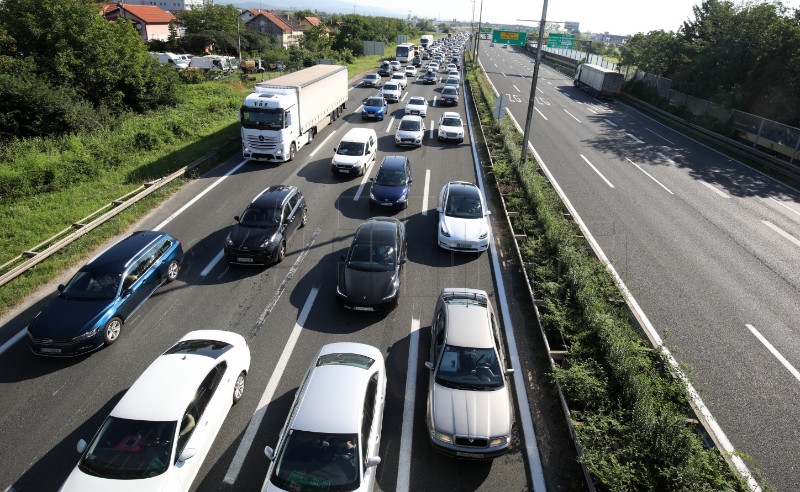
(426, 40)
(599, 81)
(285, 113)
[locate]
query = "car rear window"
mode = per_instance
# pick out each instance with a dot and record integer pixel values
(208, 348)
(354, 360)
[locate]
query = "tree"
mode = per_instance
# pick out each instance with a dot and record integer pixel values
(210, 18)
(657, 52)
(425, 25)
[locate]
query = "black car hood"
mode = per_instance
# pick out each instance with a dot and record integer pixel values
(366, 288)
(250, 237)
(64, 318)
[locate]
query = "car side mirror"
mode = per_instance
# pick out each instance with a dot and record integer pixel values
(372, 179)
(439, 209)
(410, 181)
(343, 257)
(270, 453)
(81, 446)
(429, 365)
(236, 218)
(372, 461)
(61, 287)
(187, 454)
(334, 149)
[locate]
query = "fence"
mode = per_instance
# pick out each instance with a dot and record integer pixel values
(580, 56)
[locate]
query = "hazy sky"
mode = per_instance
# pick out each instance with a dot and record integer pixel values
(614, 16)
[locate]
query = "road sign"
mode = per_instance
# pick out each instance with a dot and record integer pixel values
(509, 37)
(557, 40)
(486, 29)
(499, 107)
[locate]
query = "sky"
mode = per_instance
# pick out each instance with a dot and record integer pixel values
(612, 16)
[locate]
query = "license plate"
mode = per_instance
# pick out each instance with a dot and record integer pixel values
(244, 260)
(47, 350)
(468, 455)
(387, 204)
(463, 246)
(363, 308)
(344, 171)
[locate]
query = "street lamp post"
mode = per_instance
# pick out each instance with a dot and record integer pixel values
(478, 36)
(529, 118)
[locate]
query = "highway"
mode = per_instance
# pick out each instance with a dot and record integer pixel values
(286, 312)
(708, 246)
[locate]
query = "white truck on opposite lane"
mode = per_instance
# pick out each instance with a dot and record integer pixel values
(599, 81)
(283, 114)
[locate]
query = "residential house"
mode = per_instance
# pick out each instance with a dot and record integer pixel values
(308, 22)
(285, 32)
(168, 4)
(150, 21)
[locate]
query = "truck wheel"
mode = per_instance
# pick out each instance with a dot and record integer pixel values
(292, 151)
(311, 134)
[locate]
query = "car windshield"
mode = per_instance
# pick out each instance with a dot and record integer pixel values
(92, 286)
(390, 87)
(416, 101)
(451, 122)
(269, 119)
(390, 177)
(350, 148)
(463, 206)
(372, 77)
(410, 125)
(260, 217)
(317, 462)
(372, 257)
(374, 101)
(398, 76)
(469, 368)
(129, 449)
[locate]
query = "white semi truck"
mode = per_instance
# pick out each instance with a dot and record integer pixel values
(599, 81)
(426, 40)
(285, 113)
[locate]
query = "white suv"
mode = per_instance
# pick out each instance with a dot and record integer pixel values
(451, 127)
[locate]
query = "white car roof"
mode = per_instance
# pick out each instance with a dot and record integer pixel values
(358, 134)
(412, 117)
(468, 325)
(451, 114)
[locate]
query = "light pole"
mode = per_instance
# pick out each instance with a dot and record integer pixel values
(529, 118)
(478, 36)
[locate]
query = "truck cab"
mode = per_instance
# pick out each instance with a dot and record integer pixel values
(271, 115)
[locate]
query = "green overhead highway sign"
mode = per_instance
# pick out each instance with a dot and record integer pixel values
(486, 29)
(509, 37)
(556, 40)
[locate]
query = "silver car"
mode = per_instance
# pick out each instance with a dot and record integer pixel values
(469, 411)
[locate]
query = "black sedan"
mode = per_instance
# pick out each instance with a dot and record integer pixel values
(430, 77)
(369, 274)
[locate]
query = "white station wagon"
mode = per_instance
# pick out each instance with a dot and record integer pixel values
(158, 435)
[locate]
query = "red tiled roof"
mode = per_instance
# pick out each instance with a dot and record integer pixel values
(314, 21)
(277, 21)
(108, 8)
(150, 14)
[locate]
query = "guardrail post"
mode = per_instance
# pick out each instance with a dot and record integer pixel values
(760, 127)
(796, 149)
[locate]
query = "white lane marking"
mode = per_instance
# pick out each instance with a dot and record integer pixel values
(633, 138)
(425, 192)
(404, 96)
(665, 158)
(714, 189)
(597, 171)
(540, 113)
(16, 338)
(650, 176)
(272, 385)
(490, 80)
(389, 127)
(350, 89)
(662, 137)
(212, 264)
(782, 232)
(573, 116)
(364, 179)
(495, 65)
(434, 101)
(784, 205)
(549, 83)
(406, 435)
(515, 88)
(358, 109)
(199, 196)
(540, 90)
(322, 144)
(609, 122)
(433, 127)
(503, 74)
(794, 372)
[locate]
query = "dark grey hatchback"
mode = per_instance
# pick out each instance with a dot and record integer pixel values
(369, 274)
(260, 234)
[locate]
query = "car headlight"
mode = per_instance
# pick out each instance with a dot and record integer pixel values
(340, 290)
(442, 437)
(403, 196)
(228, 241)
(443, 230)
(89, 334)
(498, 441)
(266, 242)
(372, 195)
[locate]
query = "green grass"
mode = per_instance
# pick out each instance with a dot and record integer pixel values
(370, 63)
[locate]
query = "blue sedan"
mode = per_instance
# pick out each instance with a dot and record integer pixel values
(90, 310)
(392, 184)
(374, 108)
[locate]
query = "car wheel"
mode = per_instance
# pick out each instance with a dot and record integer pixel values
(292, 151)
(172, 270)
(304, 219)
(112, 330)
(281, 252)
(238, 388)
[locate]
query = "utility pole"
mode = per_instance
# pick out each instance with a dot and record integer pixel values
(478, 37)
(529, 118)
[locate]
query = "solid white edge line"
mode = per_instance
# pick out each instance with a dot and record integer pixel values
(426, 191)
(528, 430)
(314, 152)
(272, 385)
(650, 176)
(497, 94)
(364, 179)
(16, 338)
(358, 109)
(788, 365)
(540, 113)
(701, 408)
(199, 196)
(661, 137)
(784, 205)
(407, 433)
(665, 158)
(782, 232)
(212, 264)
(391, 122)
(592, 110)
(608, 121)
(573, 116)
(633, 138)
(596, 170)
(713, 188)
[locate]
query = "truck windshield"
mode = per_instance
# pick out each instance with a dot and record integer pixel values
(262, 118)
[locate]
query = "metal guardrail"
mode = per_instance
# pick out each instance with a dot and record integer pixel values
(35, 255)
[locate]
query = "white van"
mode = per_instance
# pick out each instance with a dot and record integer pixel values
(211, 62)
(170, 59)
(356, 152)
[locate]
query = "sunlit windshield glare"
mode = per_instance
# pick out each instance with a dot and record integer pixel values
(464, 207)
(317, 462)
(410, 125)
(469, 368)
(390, 177)
(262, 118)
(372, 257)
(451, 122)
(260, 217)
(350, 148)
(92, 286)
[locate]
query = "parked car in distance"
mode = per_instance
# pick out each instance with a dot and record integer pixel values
(417, 105)
(392, 183)
(463, 218)
(356, 152)
(332, 447)
(391, 91)
(469, 410)
(410, 131)
(175, 61)
(374, 108)
(385, 69)
(451, 127)
(90, 311)
(395, 65)
(370, 272)
(371, 80)
(450, 95)
(400, 79)
(430, 77)
(157, 436)
(260, 234)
